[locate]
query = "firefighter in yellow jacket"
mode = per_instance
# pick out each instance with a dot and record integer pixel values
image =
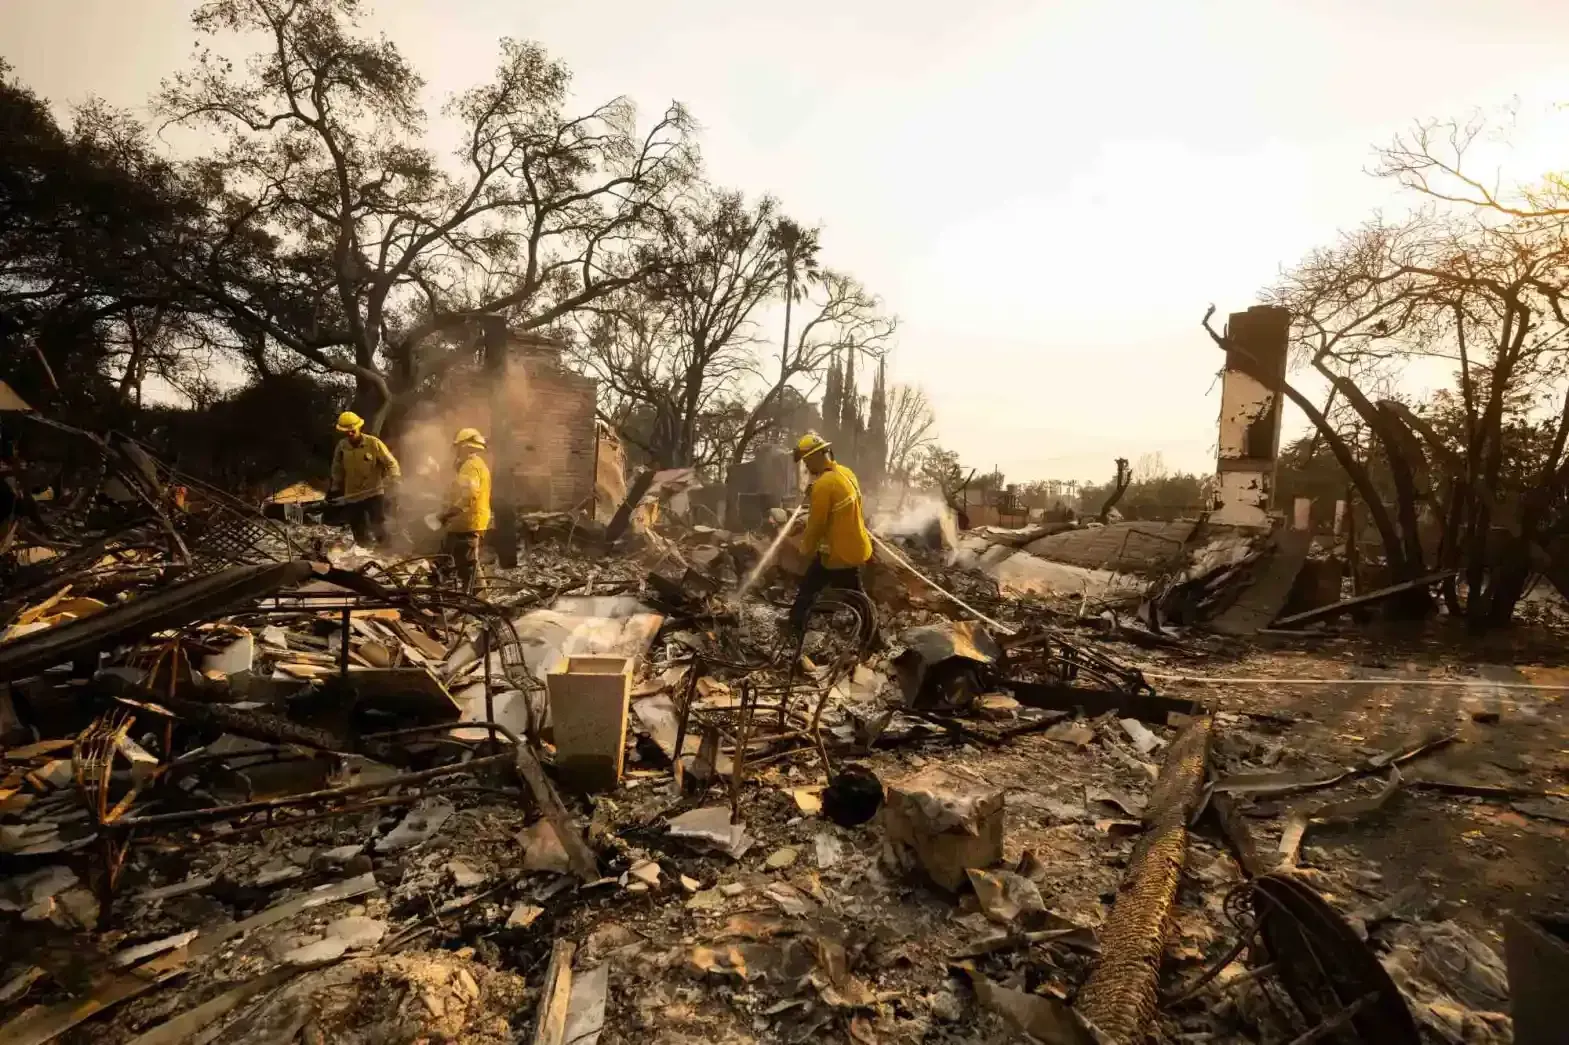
(363, 473)
(467, 515)
(835, 537)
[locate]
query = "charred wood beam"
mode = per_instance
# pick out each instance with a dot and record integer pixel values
(173, 607)
(1059, 696)
(623, 516)
(160, 821)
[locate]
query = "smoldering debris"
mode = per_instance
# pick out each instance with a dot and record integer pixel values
(325, 797)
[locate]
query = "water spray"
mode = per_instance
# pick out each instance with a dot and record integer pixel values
(768, 556)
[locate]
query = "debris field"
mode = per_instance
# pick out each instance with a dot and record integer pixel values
(258, 786)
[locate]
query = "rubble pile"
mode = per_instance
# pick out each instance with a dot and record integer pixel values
(305, 792)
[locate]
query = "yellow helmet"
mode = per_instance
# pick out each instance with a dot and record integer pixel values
(810, 444)
(469, 437)
(349, 421)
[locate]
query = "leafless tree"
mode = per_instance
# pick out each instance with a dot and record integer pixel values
(340, 236)
(1435, 158)
(1150, 466)
(912, 427)
(843, 318)
(681, 346)
(1479, 291)
(1119, 486)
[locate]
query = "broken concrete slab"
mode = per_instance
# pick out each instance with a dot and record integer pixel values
(356, 931)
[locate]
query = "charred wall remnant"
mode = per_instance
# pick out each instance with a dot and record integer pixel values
(766, 480)
(552, 434)
(546, 450)
(1249, 438)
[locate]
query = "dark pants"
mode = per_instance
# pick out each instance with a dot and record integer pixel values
(368, 519)
(819, 577)
(464, 549)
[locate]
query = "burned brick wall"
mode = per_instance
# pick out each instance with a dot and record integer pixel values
(538, 418)
(547, 416)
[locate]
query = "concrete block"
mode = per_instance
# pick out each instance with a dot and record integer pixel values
(943, 823)
(588, 715)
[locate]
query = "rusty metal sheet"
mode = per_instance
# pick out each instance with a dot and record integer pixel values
(929, 648)
(185, 602)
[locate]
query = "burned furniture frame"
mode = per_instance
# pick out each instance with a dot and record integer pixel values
(95, 749)
(845, 616)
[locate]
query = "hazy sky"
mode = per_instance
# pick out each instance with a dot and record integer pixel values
(1048, 194)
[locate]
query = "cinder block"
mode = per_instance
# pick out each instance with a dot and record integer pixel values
(943, 823)
(588, 715)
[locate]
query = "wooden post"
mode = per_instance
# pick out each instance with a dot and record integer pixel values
(555, 998)
(579, 855)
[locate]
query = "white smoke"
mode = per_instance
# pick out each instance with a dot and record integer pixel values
(914, 516)
(424, 442)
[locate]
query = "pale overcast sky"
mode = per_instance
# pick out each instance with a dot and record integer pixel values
(1048, 194)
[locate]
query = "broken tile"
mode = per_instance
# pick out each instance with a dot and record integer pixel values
(464, 876)
(711, 825)
(542, 849)
(420, 826)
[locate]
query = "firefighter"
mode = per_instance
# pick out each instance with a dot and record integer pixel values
(835, 536)
(467, 515)
(364, 472)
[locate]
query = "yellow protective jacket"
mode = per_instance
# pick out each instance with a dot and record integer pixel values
(362, 471)
(469, 500)
(835, 524)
